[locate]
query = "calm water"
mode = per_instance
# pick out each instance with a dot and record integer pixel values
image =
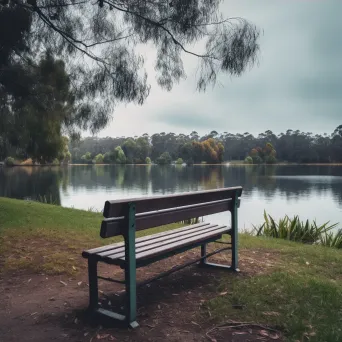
(313, 192)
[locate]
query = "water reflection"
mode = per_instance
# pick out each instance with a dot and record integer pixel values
(311, 191)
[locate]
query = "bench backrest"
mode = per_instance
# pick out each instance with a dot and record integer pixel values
(149, 212)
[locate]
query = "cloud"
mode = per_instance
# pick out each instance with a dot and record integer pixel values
(297, 84)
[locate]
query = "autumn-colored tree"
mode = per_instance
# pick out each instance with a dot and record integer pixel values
(209, 151)
(262, 155)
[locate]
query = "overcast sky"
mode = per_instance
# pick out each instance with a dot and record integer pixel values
(297, 84)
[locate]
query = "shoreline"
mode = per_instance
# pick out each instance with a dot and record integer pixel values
(221, 164)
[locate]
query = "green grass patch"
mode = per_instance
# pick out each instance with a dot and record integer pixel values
(303, 307)
(301, 296)
(48, 238)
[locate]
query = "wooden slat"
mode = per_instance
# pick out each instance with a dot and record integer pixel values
(144, 204)
(96, 250)
(161, 241)
(172, 244)
(153, 239)
(117, 226)
(179, 244)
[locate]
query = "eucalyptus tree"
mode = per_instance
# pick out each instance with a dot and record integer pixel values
(98, 41)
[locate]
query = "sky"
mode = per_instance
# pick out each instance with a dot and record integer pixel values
(297, 83)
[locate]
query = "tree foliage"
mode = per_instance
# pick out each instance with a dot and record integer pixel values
(99, 159)
(119, 156)
(98, 42)
(291, 146)
(36, 103)
(164, 159)
(260, 155)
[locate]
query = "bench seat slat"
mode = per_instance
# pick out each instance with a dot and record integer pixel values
(139, 245)
(164, 248)
(181, 243)
(97, 250)
(116, 254)
(158, 244)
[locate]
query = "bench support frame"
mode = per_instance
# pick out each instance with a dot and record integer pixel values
(130, 266)
(234, 243)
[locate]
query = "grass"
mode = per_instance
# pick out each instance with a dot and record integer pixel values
(48, 238)
(300, 294)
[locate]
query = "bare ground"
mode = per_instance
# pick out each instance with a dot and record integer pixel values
(38, 307)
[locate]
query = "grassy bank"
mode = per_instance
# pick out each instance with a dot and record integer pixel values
(302, 295)
(295, 288)
(47, 238)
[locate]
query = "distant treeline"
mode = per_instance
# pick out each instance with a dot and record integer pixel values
(163, 148)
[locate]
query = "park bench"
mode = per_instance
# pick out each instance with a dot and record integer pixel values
(125, 217)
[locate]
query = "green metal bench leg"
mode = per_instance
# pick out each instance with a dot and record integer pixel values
(93, 285)
(234, 242)
(130, 270)
(131, 297)
(234, 236)
(203, 254)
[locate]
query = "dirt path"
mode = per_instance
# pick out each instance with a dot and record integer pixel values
(37, 307)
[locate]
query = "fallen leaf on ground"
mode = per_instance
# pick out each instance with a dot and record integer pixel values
(212, 339)
(263, 333)
(274, 336)
(195, 323)
(223, 293)
(239, 333)
(101, 337)
(271, 313)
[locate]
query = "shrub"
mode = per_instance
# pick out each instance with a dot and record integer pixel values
(9, 161)
(148, 160)
(55, 162)
(119, 156)
(179, 161)
(164, 159)
(248, 160)
(99, 159)
(108, 157)
(86, 158)
(330, 239)
(257, 160)
(270, 160)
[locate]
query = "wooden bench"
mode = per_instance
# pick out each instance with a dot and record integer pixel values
(125, 217)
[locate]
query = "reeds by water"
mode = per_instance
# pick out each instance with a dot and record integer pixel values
(296, 230)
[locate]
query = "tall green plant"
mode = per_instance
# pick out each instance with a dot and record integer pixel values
(330, 239)
(294, 229)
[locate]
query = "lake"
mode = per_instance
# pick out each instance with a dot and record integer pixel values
(313, 192)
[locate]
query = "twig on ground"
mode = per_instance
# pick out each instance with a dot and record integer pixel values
(233, 325)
